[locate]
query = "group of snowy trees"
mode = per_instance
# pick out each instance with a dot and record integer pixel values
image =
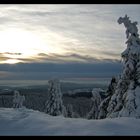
(125, 100)
(122, 97)
(123, 94)
(126, 97)
(54, 103)
(100, 107)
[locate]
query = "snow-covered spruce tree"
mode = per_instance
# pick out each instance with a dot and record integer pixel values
(116, 103)
(96, 100)
(18, 100)
(126, 99)
(104, 104)
(54, 105)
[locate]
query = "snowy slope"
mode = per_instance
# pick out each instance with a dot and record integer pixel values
(29, 122)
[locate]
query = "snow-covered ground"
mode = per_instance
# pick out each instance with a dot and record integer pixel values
(29, 122)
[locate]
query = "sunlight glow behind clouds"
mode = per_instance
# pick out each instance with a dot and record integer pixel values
(63, 32)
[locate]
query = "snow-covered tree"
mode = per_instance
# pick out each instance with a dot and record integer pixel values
(116, 102)
(96, 100)
(129, 102)
(18, 100)
(54, 105)
(104, 104)
(69, 110)
(125, 100)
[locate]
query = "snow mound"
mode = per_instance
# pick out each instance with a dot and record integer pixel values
(28, 122)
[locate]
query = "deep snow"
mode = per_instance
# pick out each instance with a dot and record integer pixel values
(28, 122)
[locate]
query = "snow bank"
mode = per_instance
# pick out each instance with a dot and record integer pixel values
(28, 122)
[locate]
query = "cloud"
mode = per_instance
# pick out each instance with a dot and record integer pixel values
(3, 57)
(62, 67)
(41, 71)
(82, 33)
(55, 58)
(7, 56)
(12, 53)
(4, 20)
(69, 58)
(44, 71)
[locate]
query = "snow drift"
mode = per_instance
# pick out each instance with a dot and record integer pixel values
(28, 122)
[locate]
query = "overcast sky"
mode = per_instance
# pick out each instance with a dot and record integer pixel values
(62, 38)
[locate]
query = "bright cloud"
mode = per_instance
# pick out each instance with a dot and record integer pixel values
(63, 32)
